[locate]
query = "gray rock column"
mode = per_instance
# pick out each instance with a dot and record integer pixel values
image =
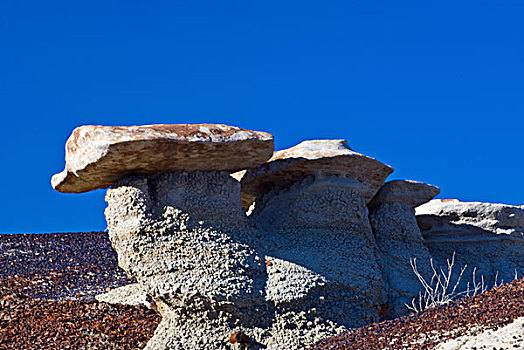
(399, 240)
(183, 235)
(310, 212)
(322, 252)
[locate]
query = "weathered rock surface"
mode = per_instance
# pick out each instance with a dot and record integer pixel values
(98, 156)
(315, 158)
(483, 235)
(399, 240)
(405, 192)
(322, 250)
(184, 237)
(325, 247)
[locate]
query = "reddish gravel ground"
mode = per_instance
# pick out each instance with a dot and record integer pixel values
(48, 284)
(470, 315)
(59, 266)
(47, 288)
(27, 323)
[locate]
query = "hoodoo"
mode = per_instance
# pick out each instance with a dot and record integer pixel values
(325, 245)
(399, 240)
(175, 219)
(311, 212)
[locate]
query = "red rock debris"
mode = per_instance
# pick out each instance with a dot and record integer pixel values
(59, 266)
(27, 323)
(47, 286)
(471, 315)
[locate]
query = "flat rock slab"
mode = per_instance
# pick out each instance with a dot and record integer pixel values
(315, 158)
(131, 294)
(98, 156)
(406, 192)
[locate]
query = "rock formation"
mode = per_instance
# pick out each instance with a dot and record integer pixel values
(399, 240)
(175, 219)
(309, 261)
(483, 235)
(318, 158)
(98, 156)
(311, 212)
(184, 236)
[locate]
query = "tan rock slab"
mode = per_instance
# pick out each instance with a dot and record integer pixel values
(407, 192)
(98, 156)
(314, 158)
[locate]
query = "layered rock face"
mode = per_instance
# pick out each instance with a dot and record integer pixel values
(483, 235)
(311, 211)
(399, 240)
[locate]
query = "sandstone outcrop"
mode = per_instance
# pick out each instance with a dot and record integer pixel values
(314, 158)
(399, 240)
(483, 235)
(311, 211)
(98, 156)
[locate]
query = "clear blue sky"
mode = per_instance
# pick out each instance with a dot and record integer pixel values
(433, 88)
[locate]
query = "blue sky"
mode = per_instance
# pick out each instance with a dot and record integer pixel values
(433, 88)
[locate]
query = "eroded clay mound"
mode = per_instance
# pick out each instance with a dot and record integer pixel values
(399, 241)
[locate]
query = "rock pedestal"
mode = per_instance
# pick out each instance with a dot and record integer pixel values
(183, 235)
(317, 236)
(311, 211)
(399, 240)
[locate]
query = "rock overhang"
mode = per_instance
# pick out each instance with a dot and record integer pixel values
(406, 192)
(98, 156)
(314, 158)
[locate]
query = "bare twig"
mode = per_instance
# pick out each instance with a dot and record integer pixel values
(440, 290)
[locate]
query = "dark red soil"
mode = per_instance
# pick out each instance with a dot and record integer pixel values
(27, 323)
(47, 288)
(470, 315)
